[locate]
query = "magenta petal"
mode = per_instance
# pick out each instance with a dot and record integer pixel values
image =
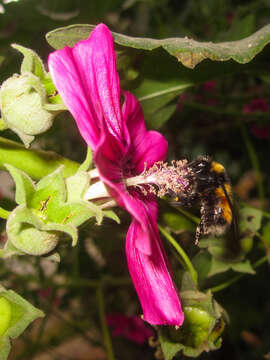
(151, 278)
(147, 147)
(87, 80)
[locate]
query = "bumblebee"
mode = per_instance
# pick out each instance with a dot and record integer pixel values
(210, 186)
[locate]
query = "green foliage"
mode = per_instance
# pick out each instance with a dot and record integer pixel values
(204, 120)
(15, 315)
(188, 51)
(47, 209)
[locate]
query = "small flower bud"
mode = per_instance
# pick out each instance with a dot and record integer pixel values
(21, 99)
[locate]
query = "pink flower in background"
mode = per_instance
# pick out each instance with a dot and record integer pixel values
(259, 105)
(112, 124)
(210, 85)
(131, 327)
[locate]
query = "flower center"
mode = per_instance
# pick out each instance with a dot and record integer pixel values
(161, 179)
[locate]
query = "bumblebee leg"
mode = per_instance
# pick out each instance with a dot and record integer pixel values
(199, 230)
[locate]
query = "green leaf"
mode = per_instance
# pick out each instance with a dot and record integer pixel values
(18, 314)
(163, 80)
(160, 117)
(250, 221)
(188, 51)
(266, 233)
(178, 223)
(31, 62)
(25, 187)
(36, 163)
(244, 267)
(202, 263)
(242, 28)
(169, 348)
(219, 266)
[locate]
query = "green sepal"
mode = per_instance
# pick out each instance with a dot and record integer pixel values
(31, 62)
(28, 233)
(85, 166)
(25, 186)
(15, 315)
(50, 195)
(51, 207)
(77, 185)
(9, 250)
(111, 215)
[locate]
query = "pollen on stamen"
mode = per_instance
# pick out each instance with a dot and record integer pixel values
(164, 178)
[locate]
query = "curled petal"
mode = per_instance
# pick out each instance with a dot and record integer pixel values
(146, 147)
(87, 80)
(151, 278)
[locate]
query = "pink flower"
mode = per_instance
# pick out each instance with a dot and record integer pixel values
(259, 105)
(130, 327)
(112, 124)
(209, 85)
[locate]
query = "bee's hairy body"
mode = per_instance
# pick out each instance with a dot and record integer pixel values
(211, 187)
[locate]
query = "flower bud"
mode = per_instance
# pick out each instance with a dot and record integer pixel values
(197, 325)
(21, 99)
(33, 241)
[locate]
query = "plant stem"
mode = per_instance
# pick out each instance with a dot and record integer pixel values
(181, 252)
(103, 322)
(237, 277)
(187, 214)
(4, 214)
(36, 163)
(255, 163)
